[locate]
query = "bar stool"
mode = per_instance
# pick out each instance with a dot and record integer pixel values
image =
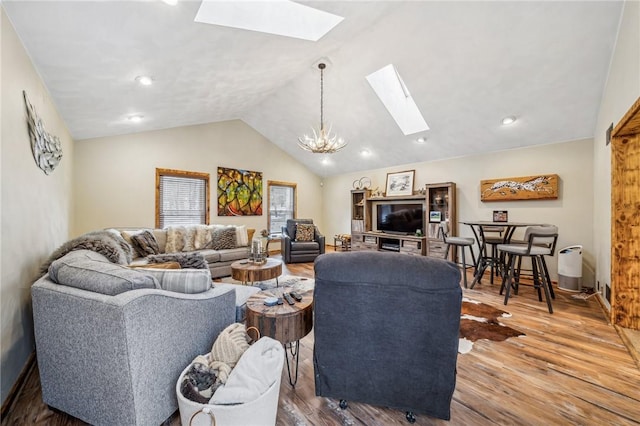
(493, 241)
(541, 241)
(461, 242)
(534, 270)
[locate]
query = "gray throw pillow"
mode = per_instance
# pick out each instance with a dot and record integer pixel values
(87, 270)
(192, 260)
(145, 243)
(223, 239)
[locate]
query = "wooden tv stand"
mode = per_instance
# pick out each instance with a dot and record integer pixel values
(383, 241)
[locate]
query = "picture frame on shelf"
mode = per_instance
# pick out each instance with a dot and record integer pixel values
(400, 183)
(500, 216)
(435, 216)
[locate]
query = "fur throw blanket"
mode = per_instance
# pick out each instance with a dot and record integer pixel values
(187, 260)
(107, 243)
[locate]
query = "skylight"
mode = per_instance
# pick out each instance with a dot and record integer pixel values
(280, 17)
(395, 96)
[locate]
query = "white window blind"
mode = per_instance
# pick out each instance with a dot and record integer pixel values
(182, 201)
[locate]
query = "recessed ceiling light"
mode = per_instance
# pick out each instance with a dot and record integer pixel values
(284, 17)
(365, 152)
(325, 161)
(508, 120)
(421, 140)
(135, 118)
(395, 97)
(144, 80)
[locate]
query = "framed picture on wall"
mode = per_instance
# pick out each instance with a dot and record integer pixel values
(400, 183)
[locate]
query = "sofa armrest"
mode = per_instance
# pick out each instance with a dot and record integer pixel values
(320, 240)
(285, 245)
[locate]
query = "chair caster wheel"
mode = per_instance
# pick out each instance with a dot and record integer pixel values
(411, 418)
(343, 404)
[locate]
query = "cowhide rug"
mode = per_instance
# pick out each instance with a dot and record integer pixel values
(477, 320)
(480, 321)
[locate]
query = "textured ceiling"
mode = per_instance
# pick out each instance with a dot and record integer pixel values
(466, 64)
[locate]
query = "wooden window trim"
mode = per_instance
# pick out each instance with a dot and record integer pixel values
(185, 174)
(295, 198)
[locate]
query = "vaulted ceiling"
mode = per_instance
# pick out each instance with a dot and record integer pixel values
(467, 65)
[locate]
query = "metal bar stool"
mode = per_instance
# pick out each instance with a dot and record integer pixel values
(461, 242)
(493, 241)
(541, 241)
(534, 266)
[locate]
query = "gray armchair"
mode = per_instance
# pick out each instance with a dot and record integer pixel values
(300, 251)
(386, 330)
(115, 360)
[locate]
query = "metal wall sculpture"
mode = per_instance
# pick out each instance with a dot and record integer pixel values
(239, 192)
(520, 188)
(46, 148)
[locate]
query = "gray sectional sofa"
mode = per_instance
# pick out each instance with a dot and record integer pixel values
(218, 260)
(111, 341)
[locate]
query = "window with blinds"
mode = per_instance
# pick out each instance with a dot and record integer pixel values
(182, 198)
(282, 204)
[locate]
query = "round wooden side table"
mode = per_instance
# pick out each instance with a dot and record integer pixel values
(285, 323)
(245, 271)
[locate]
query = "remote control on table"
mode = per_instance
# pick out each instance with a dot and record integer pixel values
(296, 295)
(288, 298)
(280, 301)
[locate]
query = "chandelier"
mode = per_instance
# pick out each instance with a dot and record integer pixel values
(322, 141)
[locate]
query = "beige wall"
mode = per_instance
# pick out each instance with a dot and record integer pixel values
(621, 91)
(115, 176)
(571, 212)
(36, 208)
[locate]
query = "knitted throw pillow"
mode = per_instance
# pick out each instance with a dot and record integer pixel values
(145, 243)
(304, 232)
(230, 344)
(224, 238)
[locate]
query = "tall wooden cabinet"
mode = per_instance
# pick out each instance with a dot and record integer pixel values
(625, 220)
(441, 206)
(360, 212)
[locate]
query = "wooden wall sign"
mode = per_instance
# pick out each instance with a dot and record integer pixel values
(519, 188)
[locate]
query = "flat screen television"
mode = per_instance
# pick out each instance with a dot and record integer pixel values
(399, 217)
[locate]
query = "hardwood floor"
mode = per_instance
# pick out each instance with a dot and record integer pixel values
(570, 368)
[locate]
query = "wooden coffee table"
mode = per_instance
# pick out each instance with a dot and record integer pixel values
(245, 271)
(285, 323)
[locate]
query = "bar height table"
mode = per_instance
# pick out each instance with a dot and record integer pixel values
(477, 227)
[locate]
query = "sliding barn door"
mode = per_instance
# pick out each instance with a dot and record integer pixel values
(625, 220)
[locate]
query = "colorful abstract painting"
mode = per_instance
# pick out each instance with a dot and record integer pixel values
(239, 192)
(520, 188)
